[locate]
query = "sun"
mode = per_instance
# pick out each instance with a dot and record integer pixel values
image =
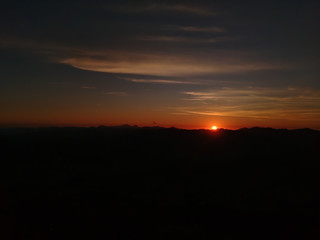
(214, 128)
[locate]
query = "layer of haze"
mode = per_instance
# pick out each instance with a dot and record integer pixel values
(188, 64)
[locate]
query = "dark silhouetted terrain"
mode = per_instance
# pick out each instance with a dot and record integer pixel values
(156, 183)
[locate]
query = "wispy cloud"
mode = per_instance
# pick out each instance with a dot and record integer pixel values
(163, 7)
(160, 64)
(120, 94)
(186, 9)
(268, 103)
(88, 87)
(202, 29)
(160, 81)
(177, 39)
(163, 38)
(151, 62)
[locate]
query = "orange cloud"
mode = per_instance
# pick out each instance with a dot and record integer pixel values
(263, 103)
(160, 81)
(160, 64)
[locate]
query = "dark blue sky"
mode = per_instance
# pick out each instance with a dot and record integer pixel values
(177, 63)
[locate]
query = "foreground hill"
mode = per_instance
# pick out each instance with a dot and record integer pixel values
(157, 183)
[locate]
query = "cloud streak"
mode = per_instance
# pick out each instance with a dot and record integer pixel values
(202, 29)
(264, 103)
(166, 64)
(163, 7)
(119, 94)
(177, 39)
(160, 81)
(88, 87)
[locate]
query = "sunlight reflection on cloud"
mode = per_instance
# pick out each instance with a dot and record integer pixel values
(255, 103)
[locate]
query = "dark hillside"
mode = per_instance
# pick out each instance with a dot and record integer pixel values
(156, 183)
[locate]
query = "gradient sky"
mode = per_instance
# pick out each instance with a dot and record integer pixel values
(188, 64)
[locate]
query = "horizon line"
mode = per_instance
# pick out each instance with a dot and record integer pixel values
(44, 126)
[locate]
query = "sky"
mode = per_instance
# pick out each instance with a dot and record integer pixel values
(186, 64)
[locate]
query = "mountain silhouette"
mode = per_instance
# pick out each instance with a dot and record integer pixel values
(130, 182)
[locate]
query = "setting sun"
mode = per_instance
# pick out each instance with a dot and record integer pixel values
(214, 128)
